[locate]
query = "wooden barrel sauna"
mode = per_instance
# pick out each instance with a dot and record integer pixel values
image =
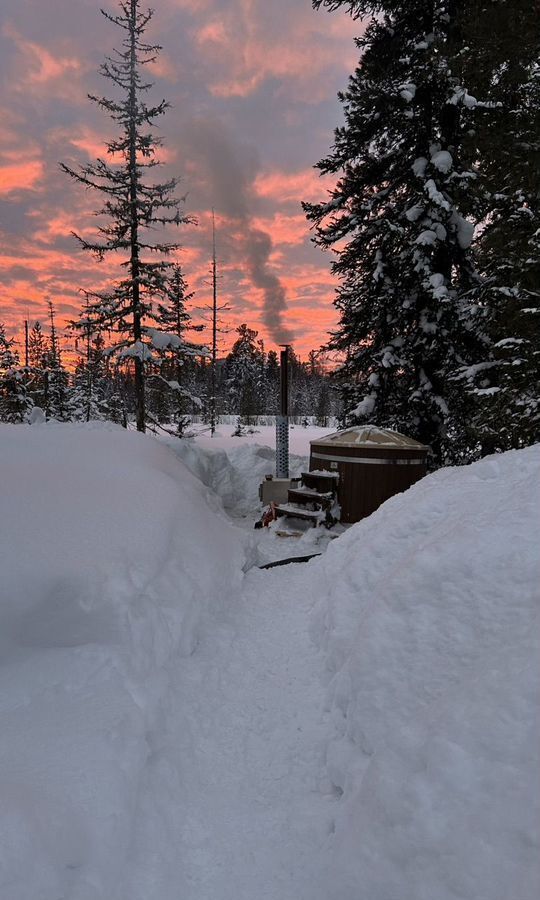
(373, 464)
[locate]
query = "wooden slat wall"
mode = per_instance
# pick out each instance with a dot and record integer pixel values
(362, 488)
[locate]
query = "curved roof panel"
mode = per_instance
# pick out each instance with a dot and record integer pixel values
(370, 436)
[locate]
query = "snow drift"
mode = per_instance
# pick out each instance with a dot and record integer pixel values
(233, 467)
(106, 578)
(233, 475)
(132, 770)
(428, 613)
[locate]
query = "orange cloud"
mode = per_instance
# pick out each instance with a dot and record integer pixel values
(163, 67)
(232, 48)
(285, 187)
(284, 229)
(90, 142)
(215, 32)
(23, 176)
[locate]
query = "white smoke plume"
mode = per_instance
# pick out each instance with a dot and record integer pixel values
(229, 170)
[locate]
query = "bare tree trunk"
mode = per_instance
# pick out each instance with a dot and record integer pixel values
(134, 232)
(214, 329)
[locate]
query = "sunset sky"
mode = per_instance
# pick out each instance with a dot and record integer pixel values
(253, 87)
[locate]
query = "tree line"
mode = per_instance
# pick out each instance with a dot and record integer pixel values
(136, 357)
(179, 384)
(434, 221)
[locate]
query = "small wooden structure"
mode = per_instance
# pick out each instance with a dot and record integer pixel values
(313, 499)
(372, 463)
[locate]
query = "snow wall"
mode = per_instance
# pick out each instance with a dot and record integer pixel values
(428, 614)
(106, 578)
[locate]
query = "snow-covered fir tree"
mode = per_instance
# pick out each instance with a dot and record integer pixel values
(272, 383)
(172, 312)
(88, 397)
(55, 375)
(37, 349)
(133, 205)
(170, 394)
(400, 219)
(15, 401)
(244, 375)
(504, 63)
(36, 346)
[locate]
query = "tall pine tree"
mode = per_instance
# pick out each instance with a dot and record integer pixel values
(400, 220)
(133, 205)
(170, 393)
(88, 397)
(15, 402)
(37, 349)
(244, 374)
(503, 63)
(56, 377)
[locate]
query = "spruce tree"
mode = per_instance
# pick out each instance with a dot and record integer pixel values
(15, 402)
(243, 367)
(133, 204)
(170, 393)
(172, 313)
(37, 358)
(36, 346)
(504, 63)
(401, 219)
(88, 396)
(271, 402)
(56, 377)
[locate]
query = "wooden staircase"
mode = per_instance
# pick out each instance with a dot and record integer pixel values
(314, 499)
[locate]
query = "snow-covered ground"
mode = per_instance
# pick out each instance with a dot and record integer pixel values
(177, 723)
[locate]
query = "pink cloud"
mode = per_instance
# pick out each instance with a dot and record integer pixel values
(24, 176)
(215, 50)
(284, 187)
(41, 64)
(250, 53)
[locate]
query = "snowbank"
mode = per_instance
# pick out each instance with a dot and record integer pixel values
(233, 467)
(428, 613)
(233, 475)
(106, 578)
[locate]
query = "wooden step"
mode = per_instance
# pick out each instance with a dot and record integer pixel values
(321, 480)
(308, 495)
(288, 509)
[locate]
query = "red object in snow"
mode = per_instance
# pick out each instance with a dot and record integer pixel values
(269, 515)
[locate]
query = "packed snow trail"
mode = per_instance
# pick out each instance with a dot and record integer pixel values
(245, 750)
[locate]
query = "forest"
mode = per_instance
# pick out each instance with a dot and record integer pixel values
(433, 225)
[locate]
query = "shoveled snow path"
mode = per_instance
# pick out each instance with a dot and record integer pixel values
(241, 775)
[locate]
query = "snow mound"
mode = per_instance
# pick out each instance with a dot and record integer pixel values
(106, 580)
(428, 613)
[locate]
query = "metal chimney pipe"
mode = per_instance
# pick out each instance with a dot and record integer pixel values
(282, 420)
